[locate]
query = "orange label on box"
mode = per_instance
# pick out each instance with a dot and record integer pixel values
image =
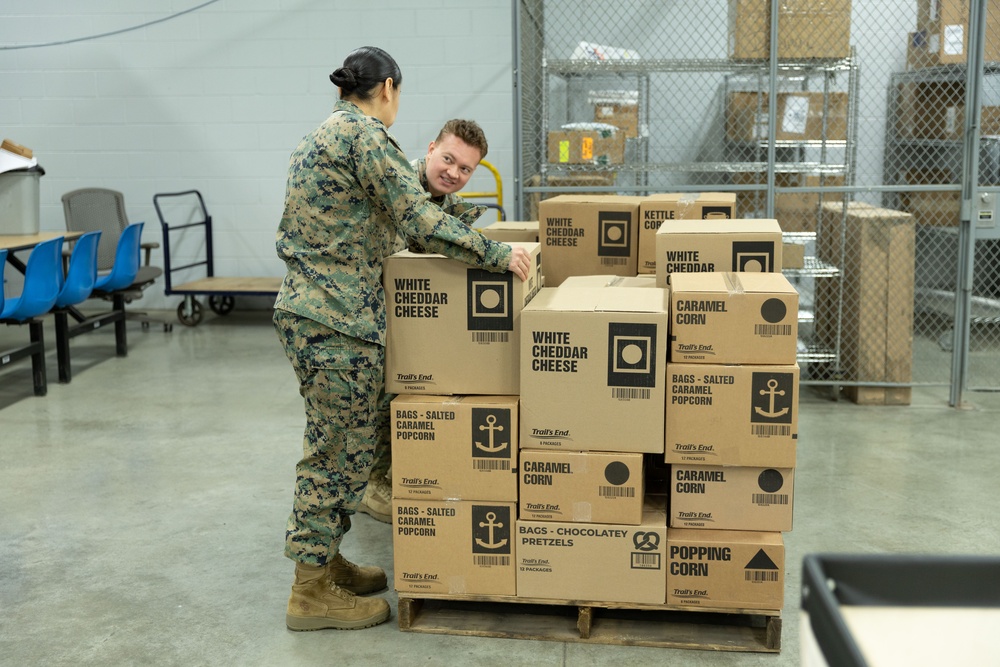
(587, 149)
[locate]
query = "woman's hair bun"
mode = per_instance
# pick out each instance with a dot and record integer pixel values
(343, 77)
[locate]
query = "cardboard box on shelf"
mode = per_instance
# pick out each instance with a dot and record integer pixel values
(445, 317)
(581, 487)
(700, 246)
(793, 256)
(507, 231)
(725, 569)
(876, 318)
(733, 318)
(588, 353)
(794, 211)
(732, 415)
(800, 116)
(655, 209)
(585, 235)
(593, 562)
(622, 113)
(605, 145)
(807, 29)
(582, 182)
(455, 447)
(454, 547)
(942, 36)
(731, 497)
(931, 109)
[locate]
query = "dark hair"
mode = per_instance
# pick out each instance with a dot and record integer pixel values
(468, 131)
(364, 69)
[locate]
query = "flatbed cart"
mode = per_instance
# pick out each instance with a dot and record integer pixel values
(221, 291)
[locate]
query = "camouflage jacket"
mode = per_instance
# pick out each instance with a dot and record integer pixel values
(350, 194)
(452, 204)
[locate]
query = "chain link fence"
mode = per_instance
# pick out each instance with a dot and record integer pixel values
(853, 138)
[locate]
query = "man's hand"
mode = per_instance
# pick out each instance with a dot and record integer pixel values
(520, 262)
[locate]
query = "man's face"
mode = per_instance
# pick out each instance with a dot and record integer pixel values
(450, 164)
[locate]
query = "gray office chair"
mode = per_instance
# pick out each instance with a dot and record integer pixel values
(93, 209)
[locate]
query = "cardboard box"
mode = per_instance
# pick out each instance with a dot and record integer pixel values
(587, 487)
(725, 569)
(931, 110)
(508, 231)
(590, 353)
(700, 246)
(581, 182)
(732, 415)
(593, 562)
(731, 497)
(586, 146)
(876, 318)
(795, 211)
(793, 256)
(454, 547)
(800, 116)
(586, 235)
(733, 318)
(642, 280)
(623, 115)
(445, 317)
(455, 447)
(807, 29)
(935, 209)
(942, 36)
(654, 210)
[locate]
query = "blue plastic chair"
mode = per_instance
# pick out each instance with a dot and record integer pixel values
(114, 285)
(42, 280)
(82, 273)
(126, 266)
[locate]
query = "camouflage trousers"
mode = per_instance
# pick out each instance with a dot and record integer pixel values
(342, 380)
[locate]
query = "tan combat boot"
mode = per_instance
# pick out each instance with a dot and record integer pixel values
(317, 603)
(377, 501)
(357, 579)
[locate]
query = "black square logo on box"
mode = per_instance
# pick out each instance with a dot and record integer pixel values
(614, 234)
(491, 434)
(753, 256)
(771, 398)
(491, 530)
(718, 212)
(490, 300)
(631, 354)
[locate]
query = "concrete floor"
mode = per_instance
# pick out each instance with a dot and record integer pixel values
(142, 509)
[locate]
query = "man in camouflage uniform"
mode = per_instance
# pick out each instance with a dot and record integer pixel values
(350, 195)
(451, 160)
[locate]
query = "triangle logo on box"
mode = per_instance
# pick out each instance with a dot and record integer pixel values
(761, 561)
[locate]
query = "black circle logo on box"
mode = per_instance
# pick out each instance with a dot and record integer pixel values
(773, 310)
(616, 473)
(770, 480)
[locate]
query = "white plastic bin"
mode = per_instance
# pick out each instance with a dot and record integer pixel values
(19, 200)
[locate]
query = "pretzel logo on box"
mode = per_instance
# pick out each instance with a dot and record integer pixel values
(490, 305)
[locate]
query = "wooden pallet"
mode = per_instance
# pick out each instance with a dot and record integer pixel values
(592, 622)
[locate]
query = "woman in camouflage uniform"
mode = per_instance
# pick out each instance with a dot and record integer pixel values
(350, 192)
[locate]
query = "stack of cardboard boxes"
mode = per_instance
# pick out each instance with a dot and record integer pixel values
(645, 453)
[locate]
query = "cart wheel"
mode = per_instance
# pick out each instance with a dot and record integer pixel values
(221, 305)
(192, 316)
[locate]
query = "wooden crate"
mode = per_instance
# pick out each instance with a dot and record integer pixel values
(592, 622)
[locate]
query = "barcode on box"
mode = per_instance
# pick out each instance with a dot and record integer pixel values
(490, 336)
(491, 561)
(772, 329)
(616, 491)
(761, 576)
(627, 394)
(770, 499)
(614, 261)
(770, 429)
(491, 464)
(642, 561)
